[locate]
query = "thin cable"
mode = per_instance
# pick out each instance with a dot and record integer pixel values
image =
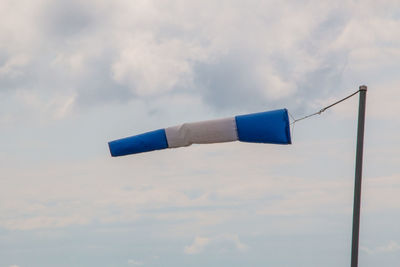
(325, 108)
(291, 116)
(292, 124)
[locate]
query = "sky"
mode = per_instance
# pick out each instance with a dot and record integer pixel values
(77, 74)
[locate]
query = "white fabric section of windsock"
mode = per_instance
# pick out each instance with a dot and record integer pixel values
(204, 132)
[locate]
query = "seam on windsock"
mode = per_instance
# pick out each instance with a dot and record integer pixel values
(236, 129)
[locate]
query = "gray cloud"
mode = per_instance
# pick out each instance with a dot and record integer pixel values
(240, 61)
(66, 19)
(228, 83)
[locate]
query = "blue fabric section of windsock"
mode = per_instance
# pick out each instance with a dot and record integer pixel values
(264, 127)
(139, 143)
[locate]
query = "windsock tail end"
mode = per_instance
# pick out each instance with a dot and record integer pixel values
(146, 142)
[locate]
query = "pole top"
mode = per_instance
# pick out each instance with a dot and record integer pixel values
(363, 88)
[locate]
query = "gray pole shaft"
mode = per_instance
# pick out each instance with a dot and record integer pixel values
(358, 176)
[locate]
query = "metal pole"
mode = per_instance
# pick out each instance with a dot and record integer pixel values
(358, 176)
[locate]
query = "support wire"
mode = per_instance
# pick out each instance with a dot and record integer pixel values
(322, 110)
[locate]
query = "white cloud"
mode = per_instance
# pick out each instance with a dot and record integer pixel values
(12, 65)
(390, 247)
(221, 243)
(202, 194)
(53, 107)
(197, 246)
(236, 242)
(155, 52)
(135, 262)
(44, 222)
(140, 50)
(382, 193)
(152, 67)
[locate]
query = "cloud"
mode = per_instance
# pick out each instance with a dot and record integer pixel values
(222, 243)
(56, 107)
(197, 246)
(205, 193)
(150, 67)
(135, 262)
(286, 55)
(154, 193)
(390, 247)
(11, 67)
(44, 222)
(66, 19)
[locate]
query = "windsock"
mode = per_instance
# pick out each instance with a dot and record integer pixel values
(264, 127)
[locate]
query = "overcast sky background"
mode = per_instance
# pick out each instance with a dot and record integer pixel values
(77, 74)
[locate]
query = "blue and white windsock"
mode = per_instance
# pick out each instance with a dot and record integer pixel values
(264, 127)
